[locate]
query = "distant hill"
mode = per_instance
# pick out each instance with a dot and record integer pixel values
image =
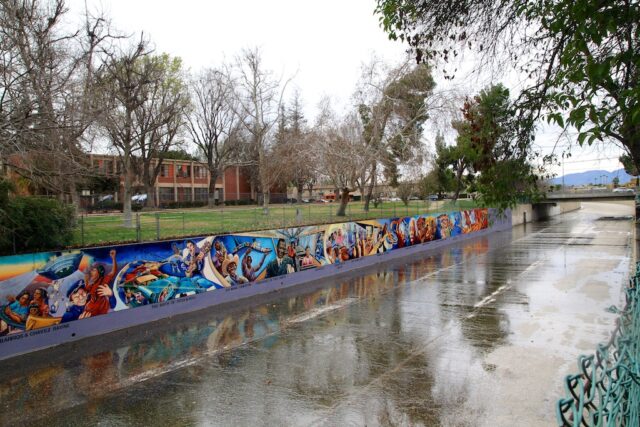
(593, 177)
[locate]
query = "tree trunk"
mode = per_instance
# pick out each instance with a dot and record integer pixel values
(458, 184)
(344, 200)
(252, 186)
(75, 198)
(211, 198)
(151, 196)
(265, 199)
(371, 186)
(126, 197)
(299, 190)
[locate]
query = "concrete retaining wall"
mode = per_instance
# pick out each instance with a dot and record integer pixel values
(531, 213)
(58, 297)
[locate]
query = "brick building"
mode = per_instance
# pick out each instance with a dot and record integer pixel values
(181, 181)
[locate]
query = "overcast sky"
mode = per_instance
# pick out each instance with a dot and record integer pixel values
(322, 44)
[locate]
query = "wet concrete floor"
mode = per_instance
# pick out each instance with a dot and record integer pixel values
(480, 333)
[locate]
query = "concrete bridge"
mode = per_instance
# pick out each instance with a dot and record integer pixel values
(557, 203)
(591, 195)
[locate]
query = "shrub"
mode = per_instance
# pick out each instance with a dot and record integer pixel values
(34, 224)
(184, 204)
(242, 202)
(107, 205)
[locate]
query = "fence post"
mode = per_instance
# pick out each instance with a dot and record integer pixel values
(138, 230)
(222, 219)
(394, 209)
(330, 213)
(255, 216)
(82, 229)
(157, 226)
(283, 215)
(183, 231)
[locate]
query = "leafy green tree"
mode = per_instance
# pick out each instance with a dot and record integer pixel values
(630, 167)
(458, 158)
(615, 182)
(488, 144)
(392, 112)
(581, 56)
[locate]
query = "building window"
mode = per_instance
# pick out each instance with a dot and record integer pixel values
(201, 194)
(165, 194)
(183, 171)
(107, 167)
(164, 171)
(184, 194)
(200, 172)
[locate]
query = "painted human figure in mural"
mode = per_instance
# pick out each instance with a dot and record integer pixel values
(219, 255)
(41, 299)
(283, 264)
(77, 295)
(482, 218)
(456, 229)
(230, 269)
(444, 226)
(175, 259)
(308, 260)
(431, 229)
(17, 311)
(194, 259)
(418, 230)
(100, 296)
(250, 272)
(398, 229)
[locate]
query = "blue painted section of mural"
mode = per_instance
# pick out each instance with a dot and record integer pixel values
(48, 290)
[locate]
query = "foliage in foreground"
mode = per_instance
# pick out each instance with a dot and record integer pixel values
(580, 58)
(30, 224)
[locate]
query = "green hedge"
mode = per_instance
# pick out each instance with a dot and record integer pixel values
(113, 206)
(178, 205)
(238, 202)
(31, 224)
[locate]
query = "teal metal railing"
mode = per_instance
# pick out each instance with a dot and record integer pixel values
(606, 390)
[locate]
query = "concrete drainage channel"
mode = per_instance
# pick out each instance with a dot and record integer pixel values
(606, 389)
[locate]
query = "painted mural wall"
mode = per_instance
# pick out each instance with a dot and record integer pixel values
(47, 289)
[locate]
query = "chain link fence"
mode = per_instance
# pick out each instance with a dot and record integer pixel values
(148, 226)
(606, 389)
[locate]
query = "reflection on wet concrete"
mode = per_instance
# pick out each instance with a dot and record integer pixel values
(479, 333)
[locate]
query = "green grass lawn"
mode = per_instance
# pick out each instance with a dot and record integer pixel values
(103, 229)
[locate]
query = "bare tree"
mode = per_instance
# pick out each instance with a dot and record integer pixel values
(159, 118)
(260, 97)
(214, 123)
(123, 85)
(340, 154)
(47, 88)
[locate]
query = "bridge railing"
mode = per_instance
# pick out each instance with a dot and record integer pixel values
(606, 389)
